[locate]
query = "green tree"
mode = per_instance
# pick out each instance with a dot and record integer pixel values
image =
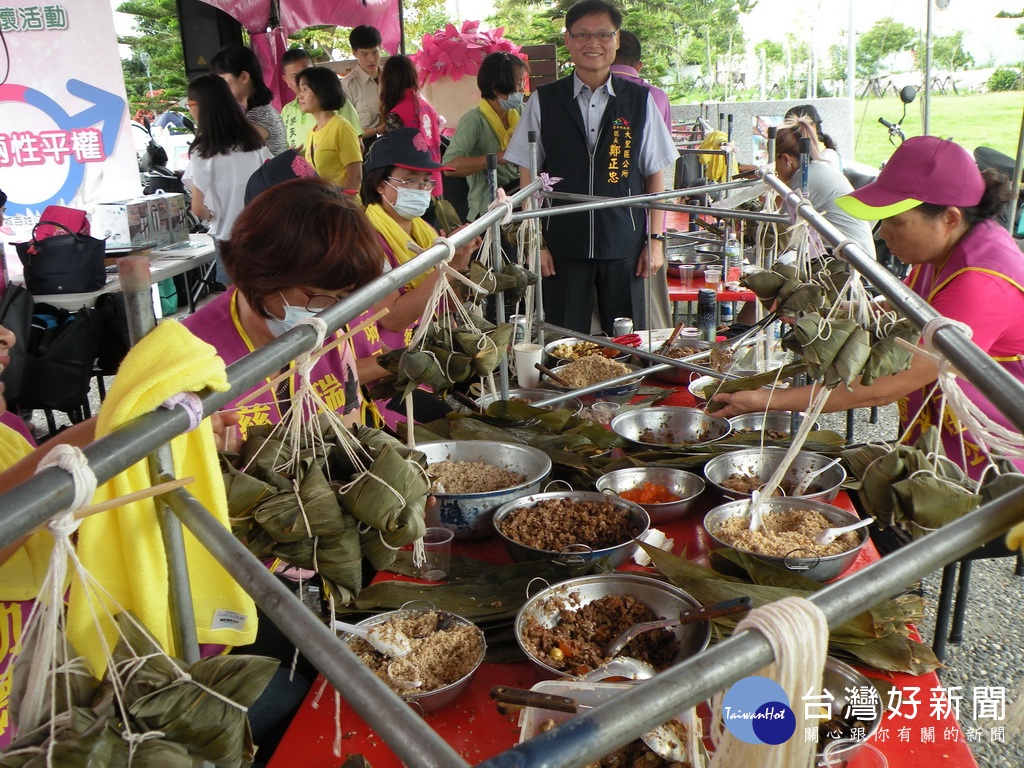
(886, 37)
(157, 38)
(948, 53)
(674, 33)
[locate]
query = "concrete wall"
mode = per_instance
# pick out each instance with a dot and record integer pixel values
(836, 120)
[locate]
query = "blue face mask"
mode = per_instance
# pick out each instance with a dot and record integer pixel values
(514, 101)
(292, 316)
(410, 203)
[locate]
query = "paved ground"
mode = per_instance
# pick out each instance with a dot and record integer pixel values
(992, 651)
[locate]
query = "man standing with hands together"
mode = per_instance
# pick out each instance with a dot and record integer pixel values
(602, 136)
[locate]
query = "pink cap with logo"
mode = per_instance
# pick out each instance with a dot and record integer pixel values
(924, 169)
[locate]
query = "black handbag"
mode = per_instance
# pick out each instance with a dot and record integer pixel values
(16, 309)
(70, 263)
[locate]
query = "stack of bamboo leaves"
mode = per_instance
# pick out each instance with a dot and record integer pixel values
(149, 711)
(879, 638)
(324, 506)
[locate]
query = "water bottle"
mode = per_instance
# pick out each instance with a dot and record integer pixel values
(733, 263)
(706, 320)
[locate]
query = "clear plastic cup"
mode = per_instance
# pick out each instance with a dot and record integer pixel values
(836, 755)
(686, 275)
(603, 412)
(437, 545)
(713, 278)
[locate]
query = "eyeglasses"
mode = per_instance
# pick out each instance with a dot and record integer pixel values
(317, 302)
(414, 183)
(586, 37)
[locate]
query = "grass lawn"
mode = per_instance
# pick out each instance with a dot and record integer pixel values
(973, 120)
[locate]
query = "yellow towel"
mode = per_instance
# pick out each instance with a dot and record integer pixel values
(715, 169)
(398, 241)
(22, 575)
(122, 548)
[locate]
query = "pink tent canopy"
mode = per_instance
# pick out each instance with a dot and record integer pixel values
(254, 15)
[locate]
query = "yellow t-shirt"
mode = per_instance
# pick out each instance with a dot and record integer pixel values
(331, 149)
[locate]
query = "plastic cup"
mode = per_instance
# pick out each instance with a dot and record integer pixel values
(686, 275)
(437, 545)
(713, 278)
(603, 412)
(527, 357)
(866, 755)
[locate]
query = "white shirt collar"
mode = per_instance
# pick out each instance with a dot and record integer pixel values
(578, 85)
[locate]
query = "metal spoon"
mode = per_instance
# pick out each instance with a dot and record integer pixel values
(665, 740)
(805, 481)
(386, 640)
(831, 534)
(724, 608)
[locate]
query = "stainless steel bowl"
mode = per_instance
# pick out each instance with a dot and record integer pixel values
(532, 395)
(763, 462)
(620, 393)
(581, 551)
(680, 427)
(664, 599)
(679, 482)
(811, 566)
(551, 359)
(681, 375)
(429, 701)
(839, 679)
(688, 255)
(469, 514)
(773, 421)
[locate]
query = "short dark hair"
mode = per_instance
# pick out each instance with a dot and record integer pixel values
(589, 8)
(371, 180)
(293, 55)
(3, 198)
(330, 243)
(325, 85)
(499, 73)
(997, 194)
(364, 36)
(629, 49)
(234, 59)
(221, 127)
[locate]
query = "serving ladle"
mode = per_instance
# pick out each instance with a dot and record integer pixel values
(805, 482)
(387, 640)
(666, 740)
(713, 611)
(831, 534)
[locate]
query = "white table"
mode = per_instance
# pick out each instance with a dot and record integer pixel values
(165, 262)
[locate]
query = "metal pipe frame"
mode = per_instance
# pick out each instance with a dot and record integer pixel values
(34, 502)
(397, 723)
(995, 383)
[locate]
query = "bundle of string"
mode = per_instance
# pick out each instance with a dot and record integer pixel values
(798, 634)
(35, 686)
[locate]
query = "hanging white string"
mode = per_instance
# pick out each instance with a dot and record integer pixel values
(798, 634)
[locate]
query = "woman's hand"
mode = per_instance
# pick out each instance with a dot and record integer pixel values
(460, 262)
(226, 433)
(735, 403)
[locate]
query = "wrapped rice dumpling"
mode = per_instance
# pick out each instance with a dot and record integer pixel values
(820, 340)
(851, 359)
(887, 355)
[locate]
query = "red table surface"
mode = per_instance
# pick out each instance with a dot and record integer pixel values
(474, 728)
(676, 292)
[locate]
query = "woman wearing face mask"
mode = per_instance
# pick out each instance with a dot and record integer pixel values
(486, 129)
(396, 191)
(331, 251)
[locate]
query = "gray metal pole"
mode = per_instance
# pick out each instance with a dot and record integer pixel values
(929, 46)
(396, 722)
(496, 265)
(538, 291)
(995, 383)
(1018, 168)
(133, 272)
(594, 733)
(592, 203)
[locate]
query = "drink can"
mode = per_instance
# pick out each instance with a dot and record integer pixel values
(706, 321)
(519, 328)
(727, 313)
(622, 326)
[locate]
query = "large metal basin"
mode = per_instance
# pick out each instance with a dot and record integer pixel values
(680, 427)
(469, 514)
(806, 564)
(763, 462)
(532, 396)
(664, 599)
(581, 551)
(429, 701)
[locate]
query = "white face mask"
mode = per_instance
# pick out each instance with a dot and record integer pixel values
(292, 316)
(514, 101)
(410, 203)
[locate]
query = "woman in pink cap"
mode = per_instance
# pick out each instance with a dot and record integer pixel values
(937, 214)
